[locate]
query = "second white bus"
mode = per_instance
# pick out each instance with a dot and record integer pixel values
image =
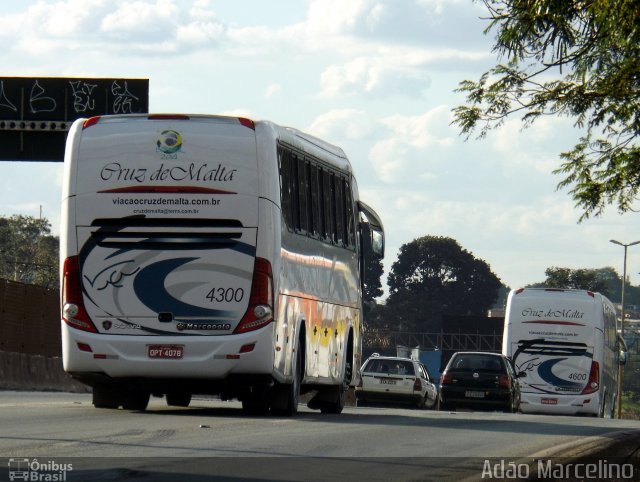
(212, 255)
(567, 343)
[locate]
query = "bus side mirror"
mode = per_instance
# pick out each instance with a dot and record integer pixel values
(622, 347)
(377, 242)
(372, 240)
(623, 358)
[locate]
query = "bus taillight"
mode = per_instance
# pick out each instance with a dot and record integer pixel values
(260, 310)
(594, 379)
(73, 311)
(91, 121)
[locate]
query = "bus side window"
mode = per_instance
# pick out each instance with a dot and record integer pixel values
(340, 211)
(295, 200)
(316, 204)
(322, 204)
(350, 224)
(286, 185)
(303, 194)
(329, 205)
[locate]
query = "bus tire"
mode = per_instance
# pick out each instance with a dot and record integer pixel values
(105, 396)
(178, 399)
(256, 401)
(255, 406)
(337, 405)
(339, 394)
(136, 400)
(287, 396)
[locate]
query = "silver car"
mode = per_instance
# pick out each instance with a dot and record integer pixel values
(395, 380)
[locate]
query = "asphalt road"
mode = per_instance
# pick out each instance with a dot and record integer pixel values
(215, 440)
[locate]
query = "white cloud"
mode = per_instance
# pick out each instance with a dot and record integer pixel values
(200, 33)
(374, 76)
(342, 124)
(136, 19)
(423, 131)
(272, 91)
(335, 16)
(390, 160)
(413, 148)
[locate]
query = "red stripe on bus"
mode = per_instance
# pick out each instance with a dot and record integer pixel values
(554, 322)
(166, 189)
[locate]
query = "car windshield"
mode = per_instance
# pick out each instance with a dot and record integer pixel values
(391, 367)
(476, 362)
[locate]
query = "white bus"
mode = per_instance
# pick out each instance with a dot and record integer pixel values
(211, 255)
(567, 343)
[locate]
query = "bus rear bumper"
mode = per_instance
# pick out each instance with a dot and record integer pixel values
(196, 357)
(553, 404)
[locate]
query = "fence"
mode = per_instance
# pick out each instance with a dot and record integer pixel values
(29, 319)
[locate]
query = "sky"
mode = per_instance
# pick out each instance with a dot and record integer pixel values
(375, 77)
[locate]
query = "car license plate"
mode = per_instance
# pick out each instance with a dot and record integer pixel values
(166, 351)
(549, 401)
(384, 381)
(473, 394)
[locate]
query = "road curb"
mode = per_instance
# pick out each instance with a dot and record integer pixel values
(621, 444)
(21, 371)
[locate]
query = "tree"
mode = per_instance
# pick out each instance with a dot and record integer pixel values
(434, 276)
(28, 252)
(573, 58)
(580, 279)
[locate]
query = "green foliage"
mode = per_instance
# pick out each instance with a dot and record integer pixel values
(434, 276)
(579, 279)
(603, 280)
(28, 252)
(573, 58)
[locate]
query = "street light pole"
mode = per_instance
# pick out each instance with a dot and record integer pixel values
(624, 281)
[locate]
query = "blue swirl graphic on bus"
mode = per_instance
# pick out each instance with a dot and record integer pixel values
(546, 374)
(149, 286)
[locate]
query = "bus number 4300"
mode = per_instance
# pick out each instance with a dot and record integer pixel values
(225, 295)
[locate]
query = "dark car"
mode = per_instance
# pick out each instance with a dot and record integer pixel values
(479, 380)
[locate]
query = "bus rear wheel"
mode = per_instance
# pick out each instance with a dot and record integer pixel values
(178, 399)
(339, 394)
(105, 396)
(287, 396)
(136, 400)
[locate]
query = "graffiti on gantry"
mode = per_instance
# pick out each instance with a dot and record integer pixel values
(66, 99)
(82, 100)
(4, 100)
(39, 102)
